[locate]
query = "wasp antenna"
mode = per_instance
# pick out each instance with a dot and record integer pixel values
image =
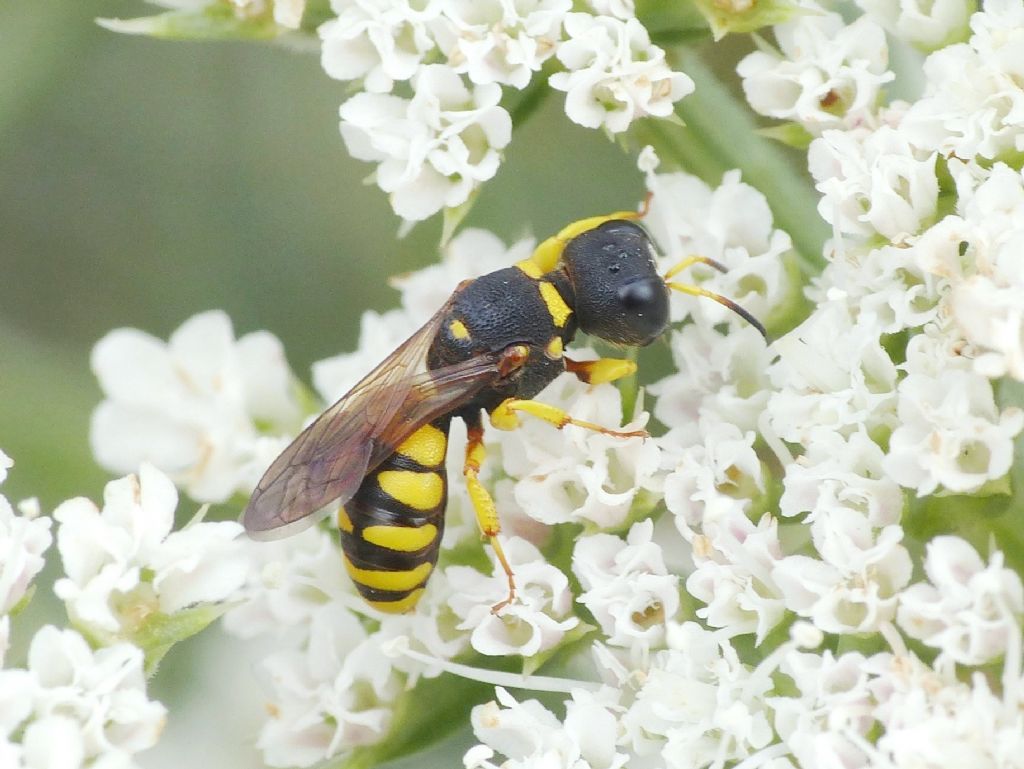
(694, 260)
(686, 288)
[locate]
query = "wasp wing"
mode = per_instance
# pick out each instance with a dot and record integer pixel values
(330, 458)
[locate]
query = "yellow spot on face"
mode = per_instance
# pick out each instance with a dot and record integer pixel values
(404, 539)
(400, 606)
(458, 329)
(556, 305)
(425, 446)
(554, 348)
(398, 581)
(344, 522)
(530, 267)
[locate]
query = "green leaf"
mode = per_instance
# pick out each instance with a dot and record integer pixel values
(161, 631)
(453, 217)
(532, 664)
(214, 22)
(727, 16)
(791, 134)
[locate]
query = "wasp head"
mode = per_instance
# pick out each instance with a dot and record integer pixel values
(619, 296)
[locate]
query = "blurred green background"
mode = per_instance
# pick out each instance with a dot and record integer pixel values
(144, 181)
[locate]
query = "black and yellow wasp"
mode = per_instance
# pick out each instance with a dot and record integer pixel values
(496, 343)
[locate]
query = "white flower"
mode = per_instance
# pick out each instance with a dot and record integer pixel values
(830, 718)
(627, 587)
(725, 374)
(929, 718)
(829, 74)
(842, 474)
(23, 540)
(536, 621)
(325, 699)
(379, 41)
(288, 581)
(698, 703)
(974, 101)
(967, 609)
(79, 706)
(502, 41)
(734, 561)
(950, 433)
(731, 224)
(614, 75)
(977, 254)
(530, 735)
(124, 563)
(716, 471)
(434, 149)
(925, 23)
(193, 406)
(854, 587)
(873, 181)
(833, 375)
(576, 474)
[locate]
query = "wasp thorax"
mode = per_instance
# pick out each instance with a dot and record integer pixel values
(618, 293)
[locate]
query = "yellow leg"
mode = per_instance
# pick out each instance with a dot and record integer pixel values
(483, 505)
(601, 370)
(504, 417)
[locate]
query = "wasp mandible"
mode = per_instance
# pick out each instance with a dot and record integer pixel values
(496, 343)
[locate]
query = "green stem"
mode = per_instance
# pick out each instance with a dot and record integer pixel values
(719, 135)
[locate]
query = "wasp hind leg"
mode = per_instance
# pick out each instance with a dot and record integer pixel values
(504, 417)
(483, 506)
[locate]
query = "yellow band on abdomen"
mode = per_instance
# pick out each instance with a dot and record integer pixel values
(397, 581)
(404, 539)
(420, 491)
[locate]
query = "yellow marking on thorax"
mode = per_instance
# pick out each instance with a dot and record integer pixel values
(458, 329)
(555, 348)
(397, 581)
(426, 446)
(344, 522)
(400, 606)
(404, 539)
(530, 267)
(556, 305)
(420, 491)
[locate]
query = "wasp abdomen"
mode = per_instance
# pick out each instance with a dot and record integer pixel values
(391, 528)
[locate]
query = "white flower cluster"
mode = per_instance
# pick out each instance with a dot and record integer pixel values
(208, 410)
(124, 565)
(774, 501)
(23, 541)
(74, 707)
(437, 143)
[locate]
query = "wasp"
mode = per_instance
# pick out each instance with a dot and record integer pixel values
(379, 452)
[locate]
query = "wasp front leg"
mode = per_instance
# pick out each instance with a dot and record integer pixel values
(601, 370)
(483, 506)
(505, 417)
